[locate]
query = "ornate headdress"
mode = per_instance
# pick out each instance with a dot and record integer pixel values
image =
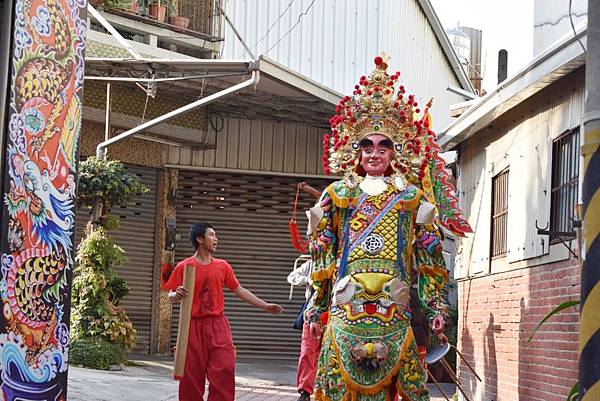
(380, 106)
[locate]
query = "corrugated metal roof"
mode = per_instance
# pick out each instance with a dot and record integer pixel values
(334, 42)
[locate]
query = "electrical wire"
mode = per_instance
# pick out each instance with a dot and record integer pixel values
(293, 26)
(254, 46)
(235, 31)
(573, 26)
(222, 28)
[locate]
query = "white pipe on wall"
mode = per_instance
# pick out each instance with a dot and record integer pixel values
(101, 148)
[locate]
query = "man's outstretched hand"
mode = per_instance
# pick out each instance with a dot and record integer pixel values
(303, 186)
(273, 309)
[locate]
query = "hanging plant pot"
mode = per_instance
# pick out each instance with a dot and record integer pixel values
(158, 12)
(179, 21)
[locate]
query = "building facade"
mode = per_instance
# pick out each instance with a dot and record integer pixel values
(518, 181)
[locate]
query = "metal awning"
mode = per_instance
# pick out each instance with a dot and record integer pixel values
(251, 89)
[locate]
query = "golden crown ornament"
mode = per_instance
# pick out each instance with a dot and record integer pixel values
(379, 105)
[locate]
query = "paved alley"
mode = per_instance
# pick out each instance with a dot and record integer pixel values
(150, 380)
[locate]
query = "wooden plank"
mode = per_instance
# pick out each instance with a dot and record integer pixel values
(185, 317)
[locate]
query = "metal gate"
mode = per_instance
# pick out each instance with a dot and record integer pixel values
(250, 214)
(136, 236)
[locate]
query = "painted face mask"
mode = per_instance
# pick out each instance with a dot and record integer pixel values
(376, 154)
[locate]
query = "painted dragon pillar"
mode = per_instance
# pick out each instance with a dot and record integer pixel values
(40, 131)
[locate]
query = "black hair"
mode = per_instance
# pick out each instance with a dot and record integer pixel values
(198, 230)
(367, 142)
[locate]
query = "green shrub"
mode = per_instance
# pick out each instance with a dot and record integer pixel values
(107, 181)
(97, 290)
(95, 353)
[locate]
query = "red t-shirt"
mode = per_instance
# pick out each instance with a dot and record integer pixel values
(208, 289)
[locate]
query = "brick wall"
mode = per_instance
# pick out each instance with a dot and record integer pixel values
(497, 315)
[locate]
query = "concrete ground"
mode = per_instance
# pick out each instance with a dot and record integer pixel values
(151, 380)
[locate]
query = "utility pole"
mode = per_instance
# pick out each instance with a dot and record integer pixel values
(589, 334)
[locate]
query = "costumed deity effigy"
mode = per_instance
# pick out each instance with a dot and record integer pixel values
(377, 235)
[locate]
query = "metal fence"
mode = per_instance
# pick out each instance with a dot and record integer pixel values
(203, 15)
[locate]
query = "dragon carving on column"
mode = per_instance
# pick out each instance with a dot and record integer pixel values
(38, 200)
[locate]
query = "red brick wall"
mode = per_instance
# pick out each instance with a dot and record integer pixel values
(497, 314)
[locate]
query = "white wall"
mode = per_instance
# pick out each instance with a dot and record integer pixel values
(551, 21)
(335, 43)
(522, 141)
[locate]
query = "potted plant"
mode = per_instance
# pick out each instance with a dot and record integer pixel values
(158, 9)
(179, 21)
(133, 6)
(176, 19)
(129, 5)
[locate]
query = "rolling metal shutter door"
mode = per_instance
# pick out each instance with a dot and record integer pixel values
(250, 214)
(136, 236)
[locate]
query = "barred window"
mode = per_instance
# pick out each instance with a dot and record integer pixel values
(565, 183)
(499, 214)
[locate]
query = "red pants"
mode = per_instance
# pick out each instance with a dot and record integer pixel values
(307, 364)
(210, 354)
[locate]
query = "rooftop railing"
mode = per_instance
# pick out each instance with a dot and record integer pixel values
(197, 18)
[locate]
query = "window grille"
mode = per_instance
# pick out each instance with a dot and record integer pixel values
(499, 214)
(565, 182)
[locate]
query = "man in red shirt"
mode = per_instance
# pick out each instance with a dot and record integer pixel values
(210, 346)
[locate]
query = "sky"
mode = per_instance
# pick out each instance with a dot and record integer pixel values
(506, 24)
